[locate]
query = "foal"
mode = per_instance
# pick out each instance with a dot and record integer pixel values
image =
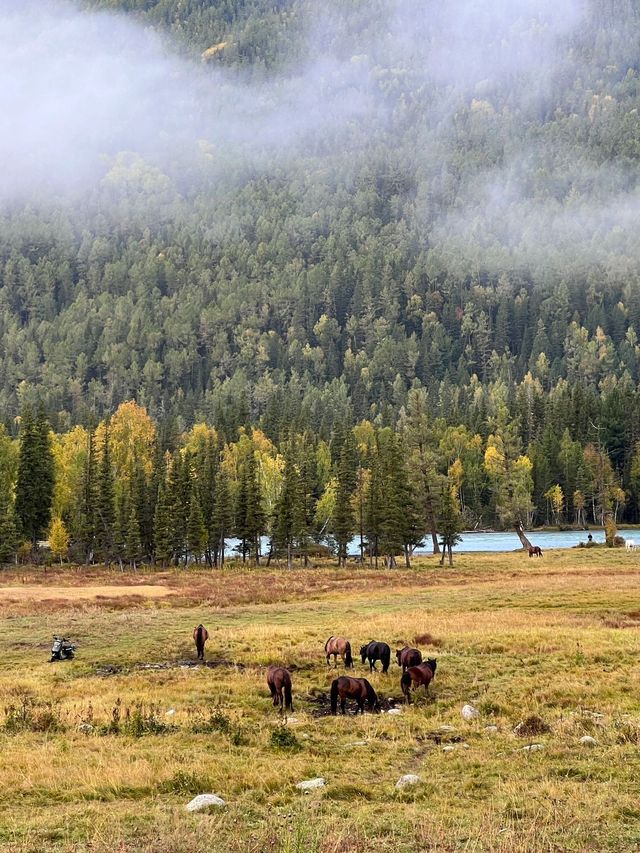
(279, 683)
(417, 675)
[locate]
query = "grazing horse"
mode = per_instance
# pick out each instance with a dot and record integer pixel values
(630, 545)
(359, 689)
(200, 635)
(417, 675)
(279, 682)
(338, 646)
(535, 551)
(408, 657)
(376, 651)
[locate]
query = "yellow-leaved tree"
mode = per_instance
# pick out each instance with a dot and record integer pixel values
(58, 539)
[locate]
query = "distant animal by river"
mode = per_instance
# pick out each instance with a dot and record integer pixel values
(535, 551)
(200, 635)
(418, 675)
(279, 683)
(630, 545)
(338, 646)
(345, 687)
(376, 651)
(407, 657)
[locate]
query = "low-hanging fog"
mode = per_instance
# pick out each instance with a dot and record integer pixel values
(426, 79)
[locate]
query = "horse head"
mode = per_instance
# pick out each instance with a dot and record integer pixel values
(399, 655)
(363, 653)
(432, 664)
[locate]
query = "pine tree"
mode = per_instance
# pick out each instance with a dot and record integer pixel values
(289, 512)
(449, 522)
(133, 540)
(9, 538)
(196, 530)
(343, 521)
(222, 517)
(105, 501)
(162, 527)
(87, 513)
(250, 518)
(34, 487)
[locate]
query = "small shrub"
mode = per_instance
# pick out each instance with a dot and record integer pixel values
(219, 722)
(283, 738)
(184, 782)
(31, 715)
(531, 727)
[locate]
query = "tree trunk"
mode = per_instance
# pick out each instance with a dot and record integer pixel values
(521, 535)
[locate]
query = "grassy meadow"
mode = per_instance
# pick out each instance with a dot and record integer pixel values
(92, 760)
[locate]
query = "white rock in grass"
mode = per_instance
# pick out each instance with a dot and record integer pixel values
(85, 728)
(203, 801)
(491, 729)
(394, 711)
(533, 747)
(446, 728)
(406, 781)
(357, 743)
(469, 713)
(171, 712)
(448, 748)
(587, 740)
(311, 784)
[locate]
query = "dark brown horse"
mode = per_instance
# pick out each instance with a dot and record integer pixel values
(417, 675)
(535, 551)
(279, 682)
(408, 657)
(338, 646)
(200, 635)
(359, 689)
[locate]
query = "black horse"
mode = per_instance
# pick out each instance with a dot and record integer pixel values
(376, 651)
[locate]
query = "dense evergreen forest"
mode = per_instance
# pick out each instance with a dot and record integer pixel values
(434, 281)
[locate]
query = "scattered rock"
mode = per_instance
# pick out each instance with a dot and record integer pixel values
(171, 712)
(464, 745)
(406, 781)
(394, 711)
(203, 801)
(587, 740)
(85, 728)
(311, 784)
(533, 747)
(491, 729)
(358, 743)
(448, 748)
(293, 721)
(469, 713)
(446, 728)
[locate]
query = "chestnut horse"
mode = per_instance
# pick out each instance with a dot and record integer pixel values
(376, 651)
(417, 675)
(338, 646)
(279, 683)
(408, 657)
(535, 551)
(200, 635)
(359, 689)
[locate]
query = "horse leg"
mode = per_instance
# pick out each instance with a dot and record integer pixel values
(343, 705)
(360, 706)
(274, 696)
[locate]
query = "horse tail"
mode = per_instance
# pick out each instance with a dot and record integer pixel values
(326, 645)
(288, 699)
(334, 696)
(386, 659)
(372, 696)
(405, 682)
(348, 660)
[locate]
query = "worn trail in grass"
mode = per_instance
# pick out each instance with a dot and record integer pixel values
(555, 639)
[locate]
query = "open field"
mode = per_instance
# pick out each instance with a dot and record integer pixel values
(556, 638)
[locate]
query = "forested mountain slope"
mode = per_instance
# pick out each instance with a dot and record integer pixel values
(389, 196)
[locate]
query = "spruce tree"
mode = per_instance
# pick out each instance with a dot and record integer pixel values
(9, 538)
(222, 517)
(289, 511)
(449, 522)
(133, 539)
(105, 501)
(162, 527)
(196, 530)
(250, 518)
(343, 521)
(35, 481)
(87, 512)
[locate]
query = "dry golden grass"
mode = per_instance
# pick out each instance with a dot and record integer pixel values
(556, 638)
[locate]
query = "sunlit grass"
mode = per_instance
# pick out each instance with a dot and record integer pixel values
(556, 638)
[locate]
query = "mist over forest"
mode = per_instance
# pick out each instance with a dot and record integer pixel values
(293, 215)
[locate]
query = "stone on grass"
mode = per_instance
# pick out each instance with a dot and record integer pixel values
(469, 713)
(203, 801)
(450, 747)
(171, 712)
(587, 740)
(357, 743)
(406, 781)
(311, 784)
(446, 728)
(85, 728)
(491, 729)
(394, 711)
(533, 747)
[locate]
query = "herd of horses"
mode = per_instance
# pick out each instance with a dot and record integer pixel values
(415, 673)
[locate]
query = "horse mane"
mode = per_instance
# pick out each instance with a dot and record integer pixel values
(432, 664)
(372, 696)
(328, 641)
(348, 660)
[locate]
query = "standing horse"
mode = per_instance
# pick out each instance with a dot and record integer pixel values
(359, 689)
(417, 675)
(200, 635)
(338, 646)
(279, 683)
(535, 551)
(376, 651)
(408, 657)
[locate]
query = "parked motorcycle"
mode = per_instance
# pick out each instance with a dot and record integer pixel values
(62, 649)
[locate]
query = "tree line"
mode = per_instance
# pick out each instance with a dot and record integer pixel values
(127, 490)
